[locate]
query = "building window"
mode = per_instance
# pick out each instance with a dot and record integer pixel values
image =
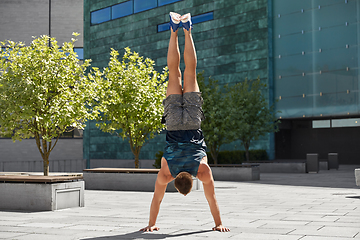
(336, 123)
(80, 53)
(351, 122)
(100, 16)
(202, 18)
(321, 124)
(125, 9)
(195, 19)
(143, 5)
(163, 27)
(164, 2)
(122, 9)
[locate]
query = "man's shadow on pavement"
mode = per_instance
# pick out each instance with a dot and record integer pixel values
(147, 235)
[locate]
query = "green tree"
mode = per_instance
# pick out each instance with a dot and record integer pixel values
(43, 92)
(216, 111)
(130, 99)
(250, 116)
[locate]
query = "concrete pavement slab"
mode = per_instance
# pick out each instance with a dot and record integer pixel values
(257, 236)
(279, 206)
(339, 232)
(322, 238)
(11, 235)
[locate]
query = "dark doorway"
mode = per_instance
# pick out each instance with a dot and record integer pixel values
(296, 138)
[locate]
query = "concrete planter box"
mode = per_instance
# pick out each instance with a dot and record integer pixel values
(357, 176)
(236, 172)
(283, 167)
(40, 193)
(126, 179)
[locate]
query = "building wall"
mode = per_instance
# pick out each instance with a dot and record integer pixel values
(24, 156)
(230, 48)
(316, 58)
(316, 78)
(21, 20)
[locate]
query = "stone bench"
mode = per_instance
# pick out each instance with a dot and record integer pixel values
(271, 166)
(35, 192)
(126, 179)
(287, 166)
(235, 172)
(357, 176)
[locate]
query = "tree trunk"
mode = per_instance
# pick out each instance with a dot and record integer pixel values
(44, 148)
(246, 146)
(137, 165)
(46, 167)
(214, 154)
(135, 149)
(136, 152)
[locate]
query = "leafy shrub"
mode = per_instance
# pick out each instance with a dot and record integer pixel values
(158, 157)
(225, 157)
(238, 156)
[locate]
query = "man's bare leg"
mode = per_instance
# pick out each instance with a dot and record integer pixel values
(190, 82)
(173, 62)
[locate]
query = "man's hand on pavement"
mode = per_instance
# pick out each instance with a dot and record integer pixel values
(150, 229)
(221, 228)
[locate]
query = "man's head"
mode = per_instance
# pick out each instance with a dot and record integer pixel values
(183, 182)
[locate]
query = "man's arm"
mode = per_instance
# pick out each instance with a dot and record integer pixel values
(205, 175)
(160, 188)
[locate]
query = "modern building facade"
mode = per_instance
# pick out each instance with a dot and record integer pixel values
(306, 52)
(20, 20)
(316, 77)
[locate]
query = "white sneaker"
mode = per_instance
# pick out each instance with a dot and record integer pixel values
(174, 20)
(186, 21)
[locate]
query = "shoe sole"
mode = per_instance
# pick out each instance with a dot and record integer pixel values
(173, 26)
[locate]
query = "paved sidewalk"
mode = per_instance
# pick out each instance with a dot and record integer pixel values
(323, 206)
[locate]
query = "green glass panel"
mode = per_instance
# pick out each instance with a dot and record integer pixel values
(336, 37)
(344, 58)
(333, 82)
(295, 107)
(293, 65)
(321, 62)
(327, 2)
(285, 6)
(336, 14)
(294, 86)
(293, 44)
(332, 103)
(293, 23)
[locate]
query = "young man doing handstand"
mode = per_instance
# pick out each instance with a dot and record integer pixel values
(185, 151)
